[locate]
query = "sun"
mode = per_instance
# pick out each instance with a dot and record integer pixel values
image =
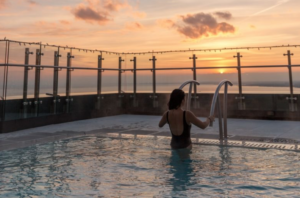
(221, 71)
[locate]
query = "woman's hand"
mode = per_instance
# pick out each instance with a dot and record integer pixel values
(211, 118)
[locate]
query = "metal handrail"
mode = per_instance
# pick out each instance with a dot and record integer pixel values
(213, 105)
(169, 68)
(188, 104)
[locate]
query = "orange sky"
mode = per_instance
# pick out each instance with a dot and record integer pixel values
(133, 26)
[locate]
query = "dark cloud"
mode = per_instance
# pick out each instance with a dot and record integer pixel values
(89, 15)
(2, 4)
(100, 11)
(224, 15)
(201, 25)
(114, 5)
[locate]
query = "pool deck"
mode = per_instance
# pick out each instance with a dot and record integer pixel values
(238, 129)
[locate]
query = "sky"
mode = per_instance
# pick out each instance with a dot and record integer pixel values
(142, 25)
(156, 25)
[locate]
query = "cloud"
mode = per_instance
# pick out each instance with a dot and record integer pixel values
(224, 15)
(134, 26)
(199, 25)
(64, 22)
(99, 11)
(32, 3)
(90, 15)
(2, 4)
(114, 5)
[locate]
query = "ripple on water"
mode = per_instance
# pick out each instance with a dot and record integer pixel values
(108, 167)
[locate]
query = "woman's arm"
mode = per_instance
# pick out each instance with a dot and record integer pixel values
(191, 118)
(163, 120)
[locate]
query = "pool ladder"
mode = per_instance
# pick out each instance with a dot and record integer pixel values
(215, 100)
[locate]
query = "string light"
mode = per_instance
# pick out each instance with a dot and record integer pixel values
(152, 52)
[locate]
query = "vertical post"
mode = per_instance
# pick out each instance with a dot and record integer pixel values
(37, 80)
(135, 104)
(154, 80)
(120, 76)
(25, 83)
(55, 80)
(68, 83)
(99, 80)
(291, 99)
(241, 102)
(194, 78)
(134, 75)
(194, 72)
(153, 74)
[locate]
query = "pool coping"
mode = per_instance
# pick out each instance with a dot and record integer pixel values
(132, 133)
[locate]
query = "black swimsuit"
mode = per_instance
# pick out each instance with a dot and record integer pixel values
(183, 140)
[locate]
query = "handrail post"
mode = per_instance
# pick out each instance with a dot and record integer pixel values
(25, 83)
(119, 103)
(221, 135)
(241, 104)
(37, 81)
(55, 81)
(194, 78)
(120, 76)
(135, 104)
(216, 99)
(188, 103)
(292, 106)
(155, 103)
(225, 110)
(99, 81)
(68, 82)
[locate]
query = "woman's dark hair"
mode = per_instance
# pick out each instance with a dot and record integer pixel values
(176, 98)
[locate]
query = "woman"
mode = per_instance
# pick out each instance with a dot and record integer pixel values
(180, 121)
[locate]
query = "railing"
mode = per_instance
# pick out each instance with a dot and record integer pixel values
(188, 104)
(99, 69)
(215, 100)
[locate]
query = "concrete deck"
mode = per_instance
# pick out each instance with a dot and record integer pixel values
(238, 129)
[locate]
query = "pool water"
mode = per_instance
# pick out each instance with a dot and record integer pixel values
(106, 167)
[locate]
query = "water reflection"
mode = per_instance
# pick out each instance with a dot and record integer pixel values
(182, 171)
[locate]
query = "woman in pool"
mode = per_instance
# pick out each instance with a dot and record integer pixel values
(180, 121)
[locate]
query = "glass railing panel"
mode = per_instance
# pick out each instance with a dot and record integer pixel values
(210, 78)
(265, 80)
(144, 82)
(87, 58)
(127, 81)
(62, 74)
(264, 56)
(173, 60)
(168, 80)
(296, 79)
(83, 82)
(110, 60)
(143, 61)
(46, 83)
(109, 82)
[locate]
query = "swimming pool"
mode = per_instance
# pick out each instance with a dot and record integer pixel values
(94, 166)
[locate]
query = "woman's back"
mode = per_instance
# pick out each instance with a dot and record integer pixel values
(180, 130)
